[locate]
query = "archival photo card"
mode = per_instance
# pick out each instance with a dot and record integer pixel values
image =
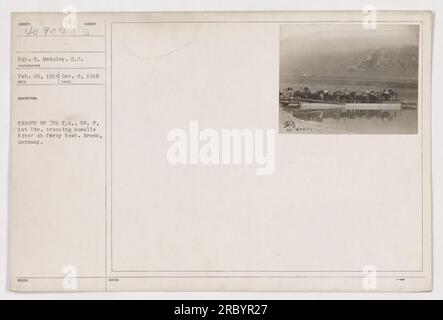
(221, 151)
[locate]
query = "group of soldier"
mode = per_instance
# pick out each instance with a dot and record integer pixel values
(338, 96)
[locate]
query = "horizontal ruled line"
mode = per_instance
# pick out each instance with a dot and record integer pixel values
(36, 52)
(228, 277)
(60, 68)
(61, 84)
(59, 36)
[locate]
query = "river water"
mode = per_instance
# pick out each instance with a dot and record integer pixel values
(364, 122)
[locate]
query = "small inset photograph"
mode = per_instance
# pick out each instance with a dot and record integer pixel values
(345, 78)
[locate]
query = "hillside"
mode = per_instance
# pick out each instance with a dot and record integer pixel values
(394, 63)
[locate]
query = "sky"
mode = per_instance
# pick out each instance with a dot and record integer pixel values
(348, 36)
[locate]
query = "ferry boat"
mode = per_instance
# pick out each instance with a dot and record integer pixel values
(388, 106)
(341, 100)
